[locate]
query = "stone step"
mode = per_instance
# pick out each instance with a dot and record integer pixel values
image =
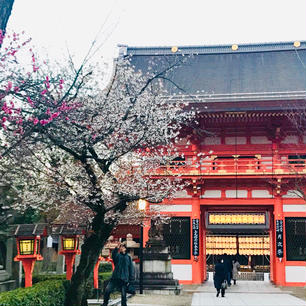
(7, 285)
(4, 275)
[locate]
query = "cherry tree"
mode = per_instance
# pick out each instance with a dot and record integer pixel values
(68, 142)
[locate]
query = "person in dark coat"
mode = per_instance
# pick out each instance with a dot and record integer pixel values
(219, 277)
(122, 275)
(228, 268)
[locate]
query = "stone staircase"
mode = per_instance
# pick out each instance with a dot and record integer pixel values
(6, 283)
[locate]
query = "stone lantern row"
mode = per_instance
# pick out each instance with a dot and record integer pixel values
(28, 238)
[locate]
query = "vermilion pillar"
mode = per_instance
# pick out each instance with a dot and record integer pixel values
(28, 266)
(272, 254)
(279, 265)
(146, 226)
(96, 269)
(197, 261)
(96, 272)
(203, 247)
(69, 260)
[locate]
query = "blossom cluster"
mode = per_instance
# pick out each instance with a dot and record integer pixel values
(69, 140)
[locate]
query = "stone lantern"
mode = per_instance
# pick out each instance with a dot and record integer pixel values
(28, 247)
(70, 241)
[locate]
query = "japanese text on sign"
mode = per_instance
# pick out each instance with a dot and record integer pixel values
(279, 238)
(195, 237)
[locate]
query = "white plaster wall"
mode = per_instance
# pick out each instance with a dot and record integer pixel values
(231, 193)
(182, 194)
(212, 140)
(260, 140)
(260, 194)
(267, 161)
(182, 272)
(172, 208)
(293, 194)
(291, 139)
(295, 274)
(188, 161)
(235, 140)
(294, 208)
(211, 194)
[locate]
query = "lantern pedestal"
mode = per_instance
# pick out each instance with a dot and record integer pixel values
(69, 261)
(96, 270)
(28, 263)
(28, 249)
(96, 273)
(70, 248)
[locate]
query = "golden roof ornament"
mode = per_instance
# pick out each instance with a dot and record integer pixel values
(297, 44)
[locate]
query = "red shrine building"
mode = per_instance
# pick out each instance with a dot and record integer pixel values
(243, 158)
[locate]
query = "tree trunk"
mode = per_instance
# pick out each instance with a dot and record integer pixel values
(91, 249)
(5, 12)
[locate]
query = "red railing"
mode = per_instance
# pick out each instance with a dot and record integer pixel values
(213, 165)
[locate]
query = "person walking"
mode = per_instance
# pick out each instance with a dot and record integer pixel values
(123, 273)
(219, 277)
(228, 268)
(236, 267)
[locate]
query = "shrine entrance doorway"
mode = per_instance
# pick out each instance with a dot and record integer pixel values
(242, 233)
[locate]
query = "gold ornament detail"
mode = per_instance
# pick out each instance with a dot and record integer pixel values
(297, 44)
(174, 49)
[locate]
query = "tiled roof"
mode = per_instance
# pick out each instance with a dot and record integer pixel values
(29, 229)
(268, 71)
(213, 49)
(65, 229)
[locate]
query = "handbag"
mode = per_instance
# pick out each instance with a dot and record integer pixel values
(224, 284)
(130, 289)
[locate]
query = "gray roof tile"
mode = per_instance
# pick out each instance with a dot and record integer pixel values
(266, 71)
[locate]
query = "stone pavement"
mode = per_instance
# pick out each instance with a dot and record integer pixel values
(245, 293)
(246, 299)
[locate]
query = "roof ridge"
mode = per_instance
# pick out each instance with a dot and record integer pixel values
(206, 49)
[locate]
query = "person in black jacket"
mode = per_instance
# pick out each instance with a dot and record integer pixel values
(228, 268)
(122, 274)
(219, 277)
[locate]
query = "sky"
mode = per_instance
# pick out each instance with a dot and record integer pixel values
(61, 25)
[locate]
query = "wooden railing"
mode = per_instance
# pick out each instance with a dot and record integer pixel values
(233, 166)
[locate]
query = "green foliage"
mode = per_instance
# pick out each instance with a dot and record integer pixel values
(29, 216)
(105, 267)
(45, 277)
(40, 280)
(91, 292)
(47, 293)
(47, 290)
(105, 275)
